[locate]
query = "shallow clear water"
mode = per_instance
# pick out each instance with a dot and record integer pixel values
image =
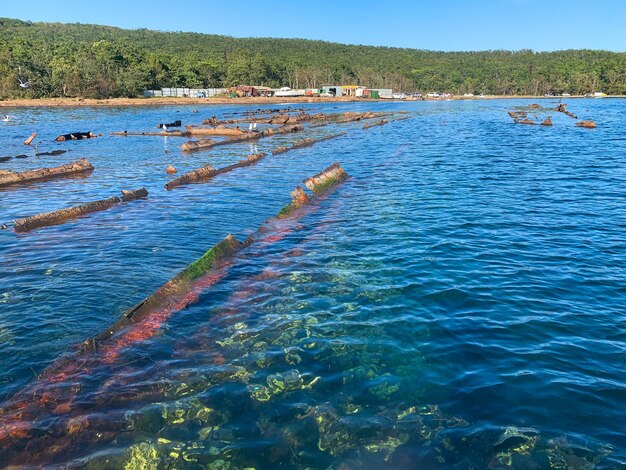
(461, 297)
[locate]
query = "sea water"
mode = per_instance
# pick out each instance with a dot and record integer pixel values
(457, 303)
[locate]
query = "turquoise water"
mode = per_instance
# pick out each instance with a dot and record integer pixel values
(458, 303)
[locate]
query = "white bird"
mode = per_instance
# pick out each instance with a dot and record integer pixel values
(164, 127)
(255, 125)
(23, 84)
(250, 127)
(6, 118)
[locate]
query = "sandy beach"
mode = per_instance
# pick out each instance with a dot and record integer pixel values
(79, 102)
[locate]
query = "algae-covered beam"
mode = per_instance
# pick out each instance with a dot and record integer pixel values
(11, 178)
(178, 286)
(325, 179)
(318, 184)
(61, 216)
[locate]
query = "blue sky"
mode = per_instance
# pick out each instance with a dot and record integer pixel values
(424, 24)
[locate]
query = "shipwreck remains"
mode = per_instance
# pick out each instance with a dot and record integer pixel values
(204, 144)
(318, 184)
(304, 143)
(562, 108)
(382, 122)
(11, 178)
(30, 139)
(151, 134)
(587, 124)
(52, 153)
(61, 216)
(546, 122)
(321, 182)
(207, 172)
(220, 130)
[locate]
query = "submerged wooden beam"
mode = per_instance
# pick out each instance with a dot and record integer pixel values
(178, 286)
(150, 134)
(221, 130)
(318, 184)
(382, 122)
(326, 179)
(586, 124)
(61, 216)
(304, 143)
(207, 172)
(12, 178)
(204, 144)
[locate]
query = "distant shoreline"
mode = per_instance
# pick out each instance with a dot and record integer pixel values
(112, 102)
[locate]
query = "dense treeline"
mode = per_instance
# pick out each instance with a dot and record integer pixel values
(76, 60)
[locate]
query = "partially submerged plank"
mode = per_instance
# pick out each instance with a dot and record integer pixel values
(220, 130)
(30, 139)
(305, 143)
(207, 172)
(203, 144)
(151, 134)
(325, 179)
(61, 216)
(318, 184)
(13, 178)
(177, 287)
(382, 122)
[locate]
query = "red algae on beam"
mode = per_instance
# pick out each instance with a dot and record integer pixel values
(172, 293)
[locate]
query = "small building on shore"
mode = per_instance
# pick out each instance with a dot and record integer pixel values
(378, 93)
(184, 92)
(250, 90)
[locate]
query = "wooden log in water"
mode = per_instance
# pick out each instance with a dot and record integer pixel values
(15, 178)
(52, 153)
(586, 124)
(181, 283)
(151, 134)
(382, 122)
(318, 184)
(128, 196)
(207, 172)
(30, 139)
(203, 144)
(47, 219)
(61, 216)
(225, 131)
(304, 143)
(326, 179)
(194, 176)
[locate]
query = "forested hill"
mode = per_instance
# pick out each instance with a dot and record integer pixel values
(101, 61)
